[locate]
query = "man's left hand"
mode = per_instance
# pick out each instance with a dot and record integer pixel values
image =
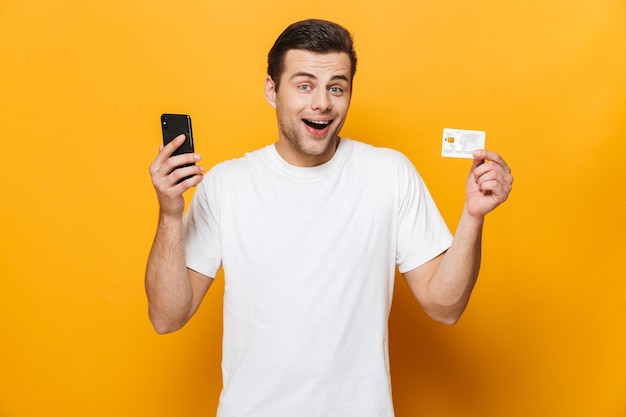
(489, 183)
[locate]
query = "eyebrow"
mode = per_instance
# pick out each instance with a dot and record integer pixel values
(309, 75)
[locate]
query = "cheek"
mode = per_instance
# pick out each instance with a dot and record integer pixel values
(342, 105)
(290, 104)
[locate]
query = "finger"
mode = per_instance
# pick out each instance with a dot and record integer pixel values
(489, 168)
(165, 151)
(181, 179)
(484, 154)
(496, 182)
(163, 167)
(181, 159)
(490, 171)
(477, 162)
(498, 191)
(174, 144)
(188, 176)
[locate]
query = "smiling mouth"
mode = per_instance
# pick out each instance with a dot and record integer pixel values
(317, 124)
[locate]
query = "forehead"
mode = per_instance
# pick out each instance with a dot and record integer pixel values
(321, 65)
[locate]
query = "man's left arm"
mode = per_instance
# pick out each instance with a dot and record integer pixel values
(443, 285)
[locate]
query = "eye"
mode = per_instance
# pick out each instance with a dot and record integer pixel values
(304, 87)
(337, 91)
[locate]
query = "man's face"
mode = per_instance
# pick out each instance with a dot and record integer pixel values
(311, 105)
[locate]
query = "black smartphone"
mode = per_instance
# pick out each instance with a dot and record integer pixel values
(173, 125)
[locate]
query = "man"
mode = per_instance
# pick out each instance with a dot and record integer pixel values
(309, 232)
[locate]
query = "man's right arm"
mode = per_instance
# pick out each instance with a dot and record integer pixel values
(174, 291)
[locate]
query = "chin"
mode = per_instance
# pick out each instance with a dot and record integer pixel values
(319, 146)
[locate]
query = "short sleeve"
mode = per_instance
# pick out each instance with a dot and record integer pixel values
(202, 231)
(422, 231)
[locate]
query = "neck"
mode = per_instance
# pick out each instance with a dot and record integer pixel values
(296, 156)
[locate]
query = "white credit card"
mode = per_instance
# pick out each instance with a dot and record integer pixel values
(460, 143)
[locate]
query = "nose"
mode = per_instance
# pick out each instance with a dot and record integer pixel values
(320, 100)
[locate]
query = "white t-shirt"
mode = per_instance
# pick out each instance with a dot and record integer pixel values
(309, 258)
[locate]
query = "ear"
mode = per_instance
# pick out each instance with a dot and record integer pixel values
(270, 91)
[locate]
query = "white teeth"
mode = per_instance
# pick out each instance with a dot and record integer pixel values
(319, 122)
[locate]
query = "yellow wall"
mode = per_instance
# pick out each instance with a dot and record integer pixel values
(81, 89)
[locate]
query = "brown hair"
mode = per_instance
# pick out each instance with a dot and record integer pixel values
(314, 35)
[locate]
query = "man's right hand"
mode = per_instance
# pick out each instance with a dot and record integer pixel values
(165, 177)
